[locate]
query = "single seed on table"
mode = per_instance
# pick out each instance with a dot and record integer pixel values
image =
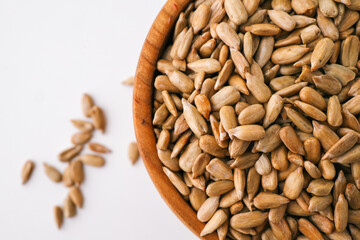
(99, 148)
(133, 152)
(27, 171)
(59, 216)
(92, 160)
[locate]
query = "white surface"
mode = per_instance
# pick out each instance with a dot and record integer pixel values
(50, 53)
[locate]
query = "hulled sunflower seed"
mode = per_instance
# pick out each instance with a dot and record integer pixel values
(27, 171)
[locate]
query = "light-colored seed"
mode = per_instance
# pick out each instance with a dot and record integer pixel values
(258, 88)
(282, 19)
(52, 173)
(170, 162)
(276, 214)
(325, 135)
(289, 54)
(197, 197)
(341, 146)
(291, 90)
(312, 170)
(228, 35)
(341, 73)
(86, 104)
(69, 208)
(225, 96)
(265, 50)
(281, 229)
(83, 125)
(266, 200)
(76, 196)
(309, 34)
(350, 51)
(224, 74)
(248, 220)
(185, 44)
(262, 165)
(215, 222)
(162, 82)
(239, 182)
(200, 17)
(219, 187)
(92, 160)
(207, 65)
(322, 223)
(270, 181)
(247, 132)
(251, 114)
(181, 81)
(133, 152)
(228, 117)
(59, 216)
(194, 119)
(299, 120)
(349, 157)
(208, 208)
(334, 115)
(98, 117)
(188, 157)
(219, 169)
(26, 171)
(240, 62)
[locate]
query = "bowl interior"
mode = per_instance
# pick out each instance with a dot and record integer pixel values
(142, 114)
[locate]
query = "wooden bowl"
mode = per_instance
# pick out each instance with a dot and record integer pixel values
(142, 114)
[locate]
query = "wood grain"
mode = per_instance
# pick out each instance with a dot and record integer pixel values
(142, 114)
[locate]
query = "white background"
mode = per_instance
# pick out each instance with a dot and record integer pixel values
(50, 53)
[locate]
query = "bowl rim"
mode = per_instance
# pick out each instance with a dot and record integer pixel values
(142, 114)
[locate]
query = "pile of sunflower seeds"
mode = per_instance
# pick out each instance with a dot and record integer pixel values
(256, 109)
(73, 175)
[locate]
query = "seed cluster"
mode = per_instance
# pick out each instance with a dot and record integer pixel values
(256, 108)
(74, 175)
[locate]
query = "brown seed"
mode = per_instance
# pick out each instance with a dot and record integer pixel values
(197, 197)
(341, 213)
(327, 26)
(312, 149)
(265, 50)
(79, 139)
(273, 109)
(263, 29)
(52, 173)
(306, 7)
(353, 196)
(26, 171)
(325, 135)
(312, 97)
(228, 35)
(248, 220)
(322, 223)
(320, 187)
(68, 154)
(87, 104)
(299, 120)
(69, 208)
(92, 160)
(99, 148)
(77, 172)
(327, 84)
(309, 230)
(312, 170)
(281, 229)
(334, 116)
(349, 157)
(226, 96)
(59, 216)
(270, 181)
(98, 117)
(291, 140)
(294, 184)
(279, 159)
(265, 200)
(319, 203)
(76, 196)
(340, 147)
(66, 177)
